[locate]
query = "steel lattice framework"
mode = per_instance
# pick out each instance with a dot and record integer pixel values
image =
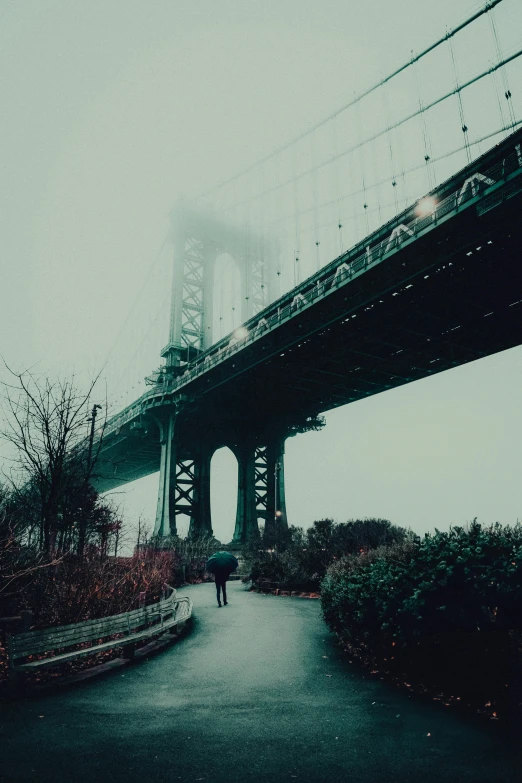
(423, 294)
(192, 324)
(197, 240)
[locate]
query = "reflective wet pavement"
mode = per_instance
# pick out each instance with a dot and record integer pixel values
(256, 691)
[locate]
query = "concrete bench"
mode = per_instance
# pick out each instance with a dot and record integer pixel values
(64, 641)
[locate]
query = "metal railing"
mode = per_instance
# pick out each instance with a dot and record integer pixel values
(136, 624)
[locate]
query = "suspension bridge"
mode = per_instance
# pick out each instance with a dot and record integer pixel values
(379, 247)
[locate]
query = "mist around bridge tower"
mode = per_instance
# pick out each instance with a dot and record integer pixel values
(115, 113)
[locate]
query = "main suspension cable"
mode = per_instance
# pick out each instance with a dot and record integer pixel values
(488, 7)
(426, 107)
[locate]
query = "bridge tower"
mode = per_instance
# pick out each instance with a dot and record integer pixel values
(198, 238)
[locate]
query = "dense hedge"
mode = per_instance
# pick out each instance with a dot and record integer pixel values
(445, 610)
(300, 559)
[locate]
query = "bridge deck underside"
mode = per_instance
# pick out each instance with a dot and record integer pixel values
(442, 301)
(432, 306)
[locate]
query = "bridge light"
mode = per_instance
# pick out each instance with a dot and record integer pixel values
(279, 513)
(241, 333)
(426, 206)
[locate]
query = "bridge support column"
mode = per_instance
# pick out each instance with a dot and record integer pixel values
(261, 491)
(184, 484)
(165, 524)
(246, 528)
(276, 523)
(200, 517)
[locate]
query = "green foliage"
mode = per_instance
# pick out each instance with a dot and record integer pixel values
(445, 607)
(327, 541)
(462, 579)
(302, 558)
(285, 565)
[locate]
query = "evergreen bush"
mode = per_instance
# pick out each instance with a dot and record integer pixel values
(445, 610)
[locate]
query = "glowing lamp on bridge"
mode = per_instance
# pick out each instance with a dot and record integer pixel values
(279, 513)
(426, 206)
(240, 334)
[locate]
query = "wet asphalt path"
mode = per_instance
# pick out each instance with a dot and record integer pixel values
(255, 692)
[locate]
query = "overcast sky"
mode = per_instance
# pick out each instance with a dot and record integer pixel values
(111, 110)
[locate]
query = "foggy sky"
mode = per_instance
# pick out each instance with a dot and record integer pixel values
(112, 110)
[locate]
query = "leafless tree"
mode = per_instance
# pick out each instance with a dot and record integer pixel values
(192, 552)
(54, 454)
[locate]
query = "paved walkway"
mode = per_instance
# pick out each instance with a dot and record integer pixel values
(256, 692)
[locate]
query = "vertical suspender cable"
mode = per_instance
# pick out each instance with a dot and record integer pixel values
(230, 305)
(425, 136)
(317, 241)
(390, 147)
(275, 205)
(502, 75)
(296, 216)
(337, 187)
(464, 127)
(374, 186)
(261, 259)
(487, 8)
(360, 146)
(247, 271)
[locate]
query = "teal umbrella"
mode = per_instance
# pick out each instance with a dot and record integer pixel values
(222, 561)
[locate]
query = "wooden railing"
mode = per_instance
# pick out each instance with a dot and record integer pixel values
(66, 642)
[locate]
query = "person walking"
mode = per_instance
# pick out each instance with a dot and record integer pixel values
(221, 564)
(221, 576)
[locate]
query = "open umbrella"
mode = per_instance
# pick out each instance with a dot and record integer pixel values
(222, 561)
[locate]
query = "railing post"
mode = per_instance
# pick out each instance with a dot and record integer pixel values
(129, 651)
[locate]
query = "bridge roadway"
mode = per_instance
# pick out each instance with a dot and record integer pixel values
(421, 295)
(257, 691)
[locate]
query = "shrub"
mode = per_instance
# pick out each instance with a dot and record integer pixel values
(76, 589)
(445, 608)
(190, 555)
(327, 540)
(301, 559)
